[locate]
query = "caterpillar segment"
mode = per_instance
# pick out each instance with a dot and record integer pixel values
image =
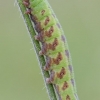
(50, 46)
(58, 76)
(53, 47)
(45, 23)
(51, 32)
(40, 12)
(50, 65)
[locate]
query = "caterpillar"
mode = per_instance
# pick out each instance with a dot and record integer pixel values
(53, 47)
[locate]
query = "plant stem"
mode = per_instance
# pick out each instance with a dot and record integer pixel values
(45, 74)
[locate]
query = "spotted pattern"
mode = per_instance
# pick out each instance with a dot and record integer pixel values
(53, 47)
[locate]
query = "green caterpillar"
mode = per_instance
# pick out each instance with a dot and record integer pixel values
(53, 47)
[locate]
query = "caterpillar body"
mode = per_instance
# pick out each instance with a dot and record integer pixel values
(53, 47)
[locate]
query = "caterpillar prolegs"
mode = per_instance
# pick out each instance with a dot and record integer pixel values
(53, 47)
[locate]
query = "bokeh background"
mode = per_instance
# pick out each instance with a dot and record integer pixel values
(20, 76)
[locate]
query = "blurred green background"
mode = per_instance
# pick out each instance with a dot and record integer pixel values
(20, 77)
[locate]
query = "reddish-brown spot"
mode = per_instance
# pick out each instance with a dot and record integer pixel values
(55, 43)
(42, 12)
(65, 86)
(58, 59)
(61, 73)
(51, 29)
(68, 97)
(46, 21)
(49, 46)
(49, 33)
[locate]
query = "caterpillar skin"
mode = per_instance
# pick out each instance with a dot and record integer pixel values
(53, 47)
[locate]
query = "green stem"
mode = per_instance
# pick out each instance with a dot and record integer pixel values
(50, 88)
